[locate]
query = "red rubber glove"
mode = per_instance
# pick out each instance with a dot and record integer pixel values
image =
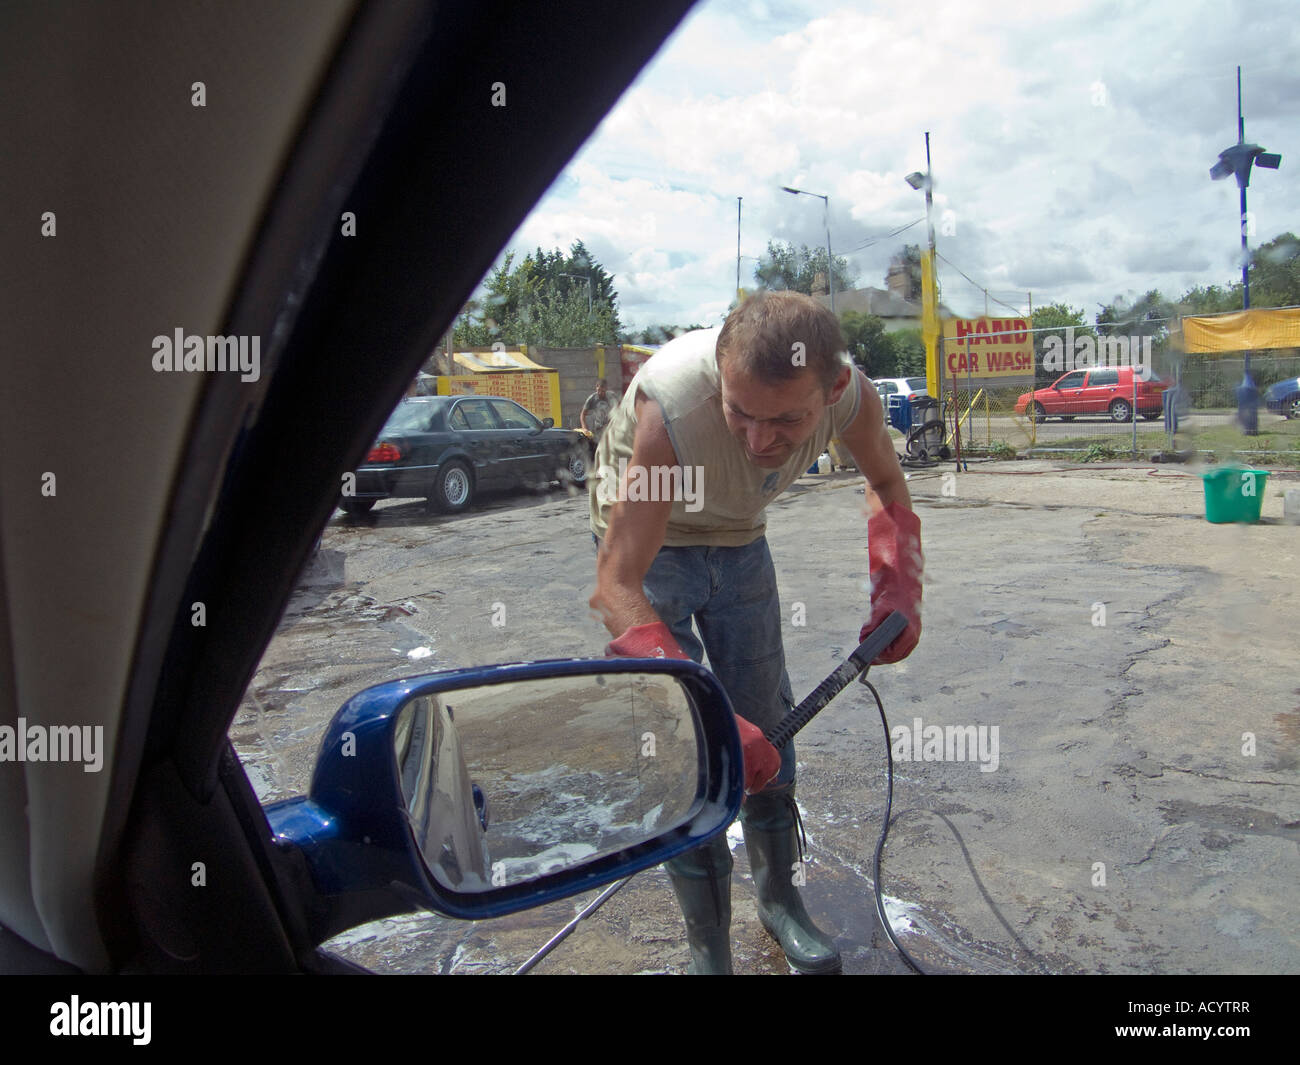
(762, 760)
(646, 641)
(894, 546)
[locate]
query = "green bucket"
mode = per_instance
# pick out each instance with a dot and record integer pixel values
(1233, 493)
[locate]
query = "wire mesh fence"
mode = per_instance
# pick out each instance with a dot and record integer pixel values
(1118, 415)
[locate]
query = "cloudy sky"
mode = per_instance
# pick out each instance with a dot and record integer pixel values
(1071, 149)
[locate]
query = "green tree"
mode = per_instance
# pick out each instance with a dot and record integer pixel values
(1149, 316)
(869, 345)
(561, 273)
(783, 267)
(658, 334)
(1056, 318)
(1275, 273)
(909, 260)
(1274, 281)
(909, 352)
(1210, 299)
(544, 301)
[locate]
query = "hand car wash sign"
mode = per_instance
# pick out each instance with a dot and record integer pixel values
(996, 349)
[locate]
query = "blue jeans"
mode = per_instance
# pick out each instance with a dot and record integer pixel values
(731, 594)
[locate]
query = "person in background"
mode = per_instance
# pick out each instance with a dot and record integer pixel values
(595, 412)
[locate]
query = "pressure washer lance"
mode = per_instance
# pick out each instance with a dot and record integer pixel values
(856, 665)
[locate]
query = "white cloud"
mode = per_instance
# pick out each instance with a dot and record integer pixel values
(1071, 147)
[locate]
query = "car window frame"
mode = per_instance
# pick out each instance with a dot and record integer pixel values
(457, 408)
(492, 406)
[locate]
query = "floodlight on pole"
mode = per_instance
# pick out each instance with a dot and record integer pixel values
(830, 263)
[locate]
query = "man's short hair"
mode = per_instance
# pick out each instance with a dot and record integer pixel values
(774, 335)
(601, 381)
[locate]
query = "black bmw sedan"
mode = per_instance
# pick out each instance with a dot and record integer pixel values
(448, 448)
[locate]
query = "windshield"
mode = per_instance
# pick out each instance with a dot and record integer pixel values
(1034, 186)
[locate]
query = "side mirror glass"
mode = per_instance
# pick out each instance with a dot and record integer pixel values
(479, 792)
(506, 783)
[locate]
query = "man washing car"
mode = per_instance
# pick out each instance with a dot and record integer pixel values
(751, 406)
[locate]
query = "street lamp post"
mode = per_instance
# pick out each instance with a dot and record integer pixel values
(830, 263)
(1237, 160)
(579, 277)
(738, 199)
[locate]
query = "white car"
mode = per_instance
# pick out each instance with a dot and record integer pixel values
(912, 387)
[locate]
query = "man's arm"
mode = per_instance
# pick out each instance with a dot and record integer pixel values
(633, 536)
(872, 449)
(635, 532)
(893, 530)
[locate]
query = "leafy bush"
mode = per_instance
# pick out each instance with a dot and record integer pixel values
(1100, 453)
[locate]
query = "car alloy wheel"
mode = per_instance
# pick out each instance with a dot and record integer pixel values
(1293, 408)
(454, 489)
(577, 470)
(1037, 411)
(1120, 411)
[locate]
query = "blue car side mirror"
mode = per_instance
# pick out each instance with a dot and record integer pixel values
(480, 792)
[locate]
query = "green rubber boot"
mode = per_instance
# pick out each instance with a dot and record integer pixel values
(702, 880)
(770, 820)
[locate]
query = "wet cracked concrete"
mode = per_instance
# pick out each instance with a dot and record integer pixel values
(1126, 828)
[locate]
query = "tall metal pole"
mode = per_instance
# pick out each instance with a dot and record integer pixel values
(738, 247)
(1247, 394)
(830, 263)
(934, 271)
(1245, 250)
(929, 224)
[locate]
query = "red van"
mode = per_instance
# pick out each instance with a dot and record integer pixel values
(1096, 390)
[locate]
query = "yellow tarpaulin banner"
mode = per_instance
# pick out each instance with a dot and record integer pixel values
(1251, 330)
(496, 361)
(930, 323)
